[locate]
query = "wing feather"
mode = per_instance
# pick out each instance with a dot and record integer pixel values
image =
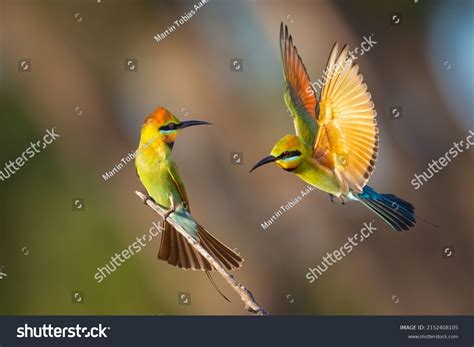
(174, 248)
(177, 251)
(300, 96)
(347, 137)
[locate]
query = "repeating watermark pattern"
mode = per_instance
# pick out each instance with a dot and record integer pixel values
(134, 248)
(236, 158)
(395, 112)
(25, 251)
(131, 65)
(333, 257)
(78, 111)
(77, 297)
(396, 18)
(286, 207)
(365, 46)
(180, 21)
(237, 64)
(125, 160)
(395, 299)
(184, 298)
(437, 165)
(290, 298)
(24, 65)
(78, 204)
(448, 251)
(78, 17)
(120, 165)
(34, 148)
(2, 274)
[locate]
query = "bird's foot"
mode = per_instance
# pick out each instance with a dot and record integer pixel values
(148, 198)
(167, 213)
(173, 208)
(342, 199)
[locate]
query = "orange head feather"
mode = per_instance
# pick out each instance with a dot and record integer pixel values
(162, 127)
(159, 118)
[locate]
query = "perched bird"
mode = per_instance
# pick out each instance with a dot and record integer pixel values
(159, 174)
(336, 141)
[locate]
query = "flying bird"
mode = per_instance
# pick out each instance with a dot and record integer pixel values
(159, 175)
(336, 141)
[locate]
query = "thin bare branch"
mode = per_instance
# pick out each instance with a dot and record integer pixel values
(245, 294)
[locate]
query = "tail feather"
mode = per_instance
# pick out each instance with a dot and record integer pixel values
(215, 286)
(176, 250)
(209, 246)
(184, 260)
(227, 256)
(398, 213)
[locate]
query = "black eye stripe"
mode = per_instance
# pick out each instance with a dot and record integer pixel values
(290, 154)
(170, 126)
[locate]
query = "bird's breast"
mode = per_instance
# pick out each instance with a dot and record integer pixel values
(155, 177)
(319, 177)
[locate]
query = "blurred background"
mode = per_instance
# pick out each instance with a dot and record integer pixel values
(77, 81)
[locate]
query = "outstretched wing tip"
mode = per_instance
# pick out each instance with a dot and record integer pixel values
(350, 126)
(298, 97)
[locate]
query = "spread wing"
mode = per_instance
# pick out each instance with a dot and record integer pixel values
(300, 97)
(347, 138)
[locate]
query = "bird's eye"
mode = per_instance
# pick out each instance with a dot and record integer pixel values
(288, 154)
(169, 127)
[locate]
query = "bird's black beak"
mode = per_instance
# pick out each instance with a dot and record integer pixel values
(264, 161)
(190, 123)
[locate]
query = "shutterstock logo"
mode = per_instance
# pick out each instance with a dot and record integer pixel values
(12, 167)
(336, 255)
(48, 331)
